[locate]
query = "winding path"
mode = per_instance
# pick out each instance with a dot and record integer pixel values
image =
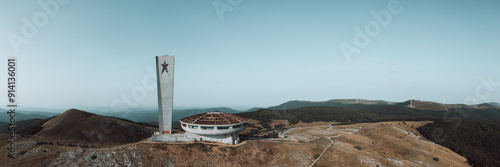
(329, 138)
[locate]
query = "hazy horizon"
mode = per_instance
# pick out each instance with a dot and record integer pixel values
(259, 53)
(106, 109)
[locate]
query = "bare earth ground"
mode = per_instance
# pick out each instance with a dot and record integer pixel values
(316, 144)
(383, 144)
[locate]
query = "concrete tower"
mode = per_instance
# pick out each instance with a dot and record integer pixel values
(165, 81)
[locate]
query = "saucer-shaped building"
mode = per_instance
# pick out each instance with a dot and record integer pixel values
(215, 126)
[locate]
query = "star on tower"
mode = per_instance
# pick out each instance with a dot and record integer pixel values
(165, 65)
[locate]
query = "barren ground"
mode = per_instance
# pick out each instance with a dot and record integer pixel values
(315, 144)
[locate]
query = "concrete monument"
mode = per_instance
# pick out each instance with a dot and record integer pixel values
(165, 79)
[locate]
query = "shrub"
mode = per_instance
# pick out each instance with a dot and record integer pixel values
(267, 126)
(476, 140)
(280, 126)
(357, 147)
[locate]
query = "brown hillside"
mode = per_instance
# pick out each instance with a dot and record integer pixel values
(78, 127)
(366, 144)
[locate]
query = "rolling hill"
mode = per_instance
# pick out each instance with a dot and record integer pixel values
(433, 106)
(26, 127)
(79, 137)
(474, 139)
(396, 112)
(23, 115)
(2, 124)
(80, 128)
(471, 131)
(367, 144)
(346, 103)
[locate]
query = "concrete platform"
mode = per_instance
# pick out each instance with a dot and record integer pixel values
(186, 137)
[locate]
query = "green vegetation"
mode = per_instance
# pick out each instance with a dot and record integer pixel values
(375, 114)
(266, 125)
(469, 137)
(476, 140)
(280, 126)
(473, 137)
(345, 115)
(357, 147)
(254, 132)
(331, 103)
(26, 127)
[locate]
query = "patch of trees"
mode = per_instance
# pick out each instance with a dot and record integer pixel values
(475, 136)
(26, 127)
(374, 114)
(280, 126)
(266, 125)
(357, 147)
(477, 140)
(301, 104)
(306, 114)
(344, 115)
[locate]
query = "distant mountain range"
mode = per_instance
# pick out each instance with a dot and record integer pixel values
(151, 115)
(361, 104)
(495, 104)
(376, 112)
(80, 129)
(350, 110)
(346, 103)
(25, 115)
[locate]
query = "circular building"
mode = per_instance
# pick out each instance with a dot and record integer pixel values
(214, 123)
(215, 126)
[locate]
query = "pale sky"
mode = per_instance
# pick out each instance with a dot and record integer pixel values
(253, 54)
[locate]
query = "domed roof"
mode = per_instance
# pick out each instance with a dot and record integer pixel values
(214, 118)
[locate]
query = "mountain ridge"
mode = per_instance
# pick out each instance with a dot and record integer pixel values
(77, 127)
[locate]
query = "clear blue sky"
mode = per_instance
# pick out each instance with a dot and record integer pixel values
(262, 53)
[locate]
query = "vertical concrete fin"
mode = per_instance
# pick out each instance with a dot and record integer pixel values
(165, 82)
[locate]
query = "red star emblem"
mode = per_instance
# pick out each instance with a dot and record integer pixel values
(165, 65)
